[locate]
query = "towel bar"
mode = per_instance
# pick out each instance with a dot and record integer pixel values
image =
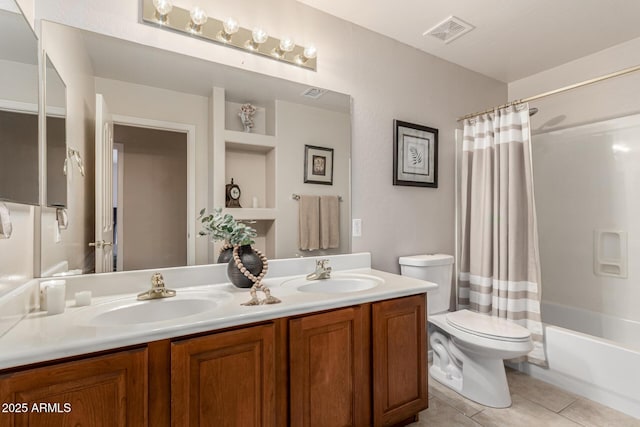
(297, 197)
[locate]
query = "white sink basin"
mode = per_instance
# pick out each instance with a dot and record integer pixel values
(338, 284)
(130, 311)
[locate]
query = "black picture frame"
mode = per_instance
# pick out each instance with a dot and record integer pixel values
(318, 165)
(415, 155)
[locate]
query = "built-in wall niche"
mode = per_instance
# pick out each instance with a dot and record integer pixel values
(252, 168)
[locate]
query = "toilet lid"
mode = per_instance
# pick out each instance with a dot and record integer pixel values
(487, 326)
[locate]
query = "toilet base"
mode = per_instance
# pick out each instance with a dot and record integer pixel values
(480, 379)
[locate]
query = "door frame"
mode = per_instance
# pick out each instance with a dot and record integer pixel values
(119, 147)
(190, 131)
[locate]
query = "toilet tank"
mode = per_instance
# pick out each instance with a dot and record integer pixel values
(435, 268)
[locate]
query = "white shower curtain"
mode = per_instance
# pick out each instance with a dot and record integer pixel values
(500, 263)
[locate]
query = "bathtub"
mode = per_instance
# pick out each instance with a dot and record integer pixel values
(592, 355)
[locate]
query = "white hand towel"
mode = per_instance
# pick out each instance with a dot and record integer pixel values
(5, 222)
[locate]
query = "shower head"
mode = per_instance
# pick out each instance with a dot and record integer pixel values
(532, 111)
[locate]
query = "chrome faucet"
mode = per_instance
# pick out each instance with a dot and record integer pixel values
(322, 271)
(157, 290)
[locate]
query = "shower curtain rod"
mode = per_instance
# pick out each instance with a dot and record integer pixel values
(553, 92)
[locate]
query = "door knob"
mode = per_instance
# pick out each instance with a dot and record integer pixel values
(100, 244)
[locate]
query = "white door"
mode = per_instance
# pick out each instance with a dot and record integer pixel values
(104, 191)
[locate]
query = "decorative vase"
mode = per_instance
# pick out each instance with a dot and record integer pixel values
(250, 260)
(226, 254)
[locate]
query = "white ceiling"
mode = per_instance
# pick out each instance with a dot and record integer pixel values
(512, 39)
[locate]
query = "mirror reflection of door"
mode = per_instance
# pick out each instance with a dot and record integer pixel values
(149, 198)
(103, 242)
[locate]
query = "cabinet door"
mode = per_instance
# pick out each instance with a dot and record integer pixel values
(329, 368)
(399, 359)
(224, 379)
(100, 391)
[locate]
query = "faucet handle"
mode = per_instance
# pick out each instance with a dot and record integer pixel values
(321, 263)
(157, 281)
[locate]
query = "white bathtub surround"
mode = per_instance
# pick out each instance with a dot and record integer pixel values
(594, 368)
(584, 360)
(497, 214)
(39, 338)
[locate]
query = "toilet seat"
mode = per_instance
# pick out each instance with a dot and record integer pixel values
(487, 326)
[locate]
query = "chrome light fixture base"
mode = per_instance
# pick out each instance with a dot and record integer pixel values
(179, 20)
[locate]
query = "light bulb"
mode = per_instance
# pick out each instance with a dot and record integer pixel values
(310, 52)
(162, 6)
(287, 44)
(231, 26)
(259, 35)
(198, 16)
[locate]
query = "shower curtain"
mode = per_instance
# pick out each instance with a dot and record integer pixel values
(500, 263)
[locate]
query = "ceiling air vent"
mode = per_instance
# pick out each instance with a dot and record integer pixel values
(449, 29)
(314, 92)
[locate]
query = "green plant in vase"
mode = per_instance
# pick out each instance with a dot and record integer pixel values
(224, 228)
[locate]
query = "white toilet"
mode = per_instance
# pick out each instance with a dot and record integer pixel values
(468, 347)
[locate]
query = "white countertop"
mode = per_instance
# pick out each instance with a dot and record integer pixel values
(40, 337)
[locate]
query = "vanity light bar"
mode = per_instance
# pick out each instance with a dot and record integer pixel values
(227, 32)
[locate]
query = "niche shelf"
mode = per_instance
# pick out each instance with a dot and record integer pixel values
(253, 169)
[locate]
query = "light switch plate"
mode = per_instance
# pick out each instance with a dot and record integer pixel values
(356, 228)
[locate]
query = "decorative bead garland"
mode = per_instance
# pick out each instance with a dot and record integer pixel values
(226, 246)
(257, 280)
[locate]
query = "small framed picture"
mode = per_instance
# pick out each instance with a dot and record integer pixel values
(318, 165)
(415, 155)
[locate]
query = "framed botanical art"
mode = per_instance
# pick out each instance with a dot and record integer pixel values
(318, 165)
(415, 155)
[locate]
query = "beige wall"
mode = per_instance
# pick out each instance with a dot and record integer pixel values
(583, 182)
(67, 52)
(154, 197)
(388, 80)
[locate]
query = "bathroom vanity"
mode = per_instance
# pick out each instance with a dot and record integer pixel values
(318, 358)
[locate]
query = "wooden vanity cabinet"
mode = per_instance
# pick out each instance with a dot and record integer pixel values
(98, 391)
(225, 379)
(363, 365)
(329, 368)
(399, 360)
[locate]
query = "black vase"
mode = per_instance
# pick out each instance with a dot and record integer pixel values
(225, 256)
(251, 261)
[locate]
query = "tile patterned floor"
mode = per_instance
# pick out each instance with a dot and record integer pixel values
(535, 404)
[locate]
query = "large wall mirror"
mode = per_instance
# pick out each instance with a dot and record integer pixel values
(18, 107)
(161, 136)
